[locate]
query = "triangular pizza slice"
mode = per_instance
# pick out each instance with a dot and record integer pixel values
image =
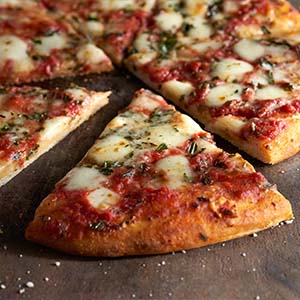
(33, 120)
(155, 182)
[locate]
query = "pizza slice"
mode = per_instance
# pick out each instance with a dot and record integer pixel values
(155, 182)
(112, 25)
(244, 89)
(35, 45)
(33, 120)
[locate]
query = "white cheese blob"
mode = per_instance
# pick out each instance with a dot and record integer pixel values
(14, 48)
(145, 101)
(94, 28)
(229, 123)
(103, 198)
(204, 46)
(270, 92)
(167, 134)
(177, 169)
(230, 6)
(90, 54)
(54, 125)
(221, 94)
(197, 7)
(249, 49)
(45, 44)
(112, 148)
(230, 69)
(188, 126)
(108, 5)
(169, 21)
(142, 43)
(83, 178)
(200, 29)
(79, 94)
(177, 90)
(140, 59)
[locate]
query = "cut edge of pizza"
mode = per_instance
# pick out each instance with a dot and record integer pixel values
(155, 182)
(44, 46)
(34, 119)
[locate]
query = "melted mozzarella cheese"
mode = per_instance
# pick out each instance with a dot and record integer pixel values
(270, 92)
(177, 90)
(103, 198)
(84, 178)
(205, 46)
(230, 69)
(249, 50)
(221, 94)
(142, 43)
(112, 148)
(145, 102)
(108, 5)
(169, 21)
(229, 123)
(199, 29)
(90, 54)
(48, 43)
(140, 59)
(176, 168)
(197, 7)
(79, 94)
(94, 28)
(166, 134)
(52, 126)
(188, 126)
(14, 48)
(230, 6)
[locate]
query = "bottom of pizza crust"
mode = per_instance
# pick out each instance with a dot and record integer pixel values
(33, 120)
(154, 182)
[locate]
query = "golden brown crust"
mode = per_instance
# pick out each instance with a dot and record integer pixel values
(188, 230)
(10, 169)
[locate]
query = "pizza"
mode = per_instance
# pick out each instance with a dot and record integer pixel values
(231, 66)
(35, 45)
(112, 25)
(155, 182)
(33, 120)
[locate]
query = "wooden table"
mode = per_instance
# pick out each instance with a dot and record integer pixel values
(262, 267)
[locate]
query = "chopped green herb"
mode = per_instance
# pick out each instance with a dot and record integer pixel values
(5, 128)
(186, 27)
(214, 8)
(187, 178)
(161, 147)
(192, 149)
(108, 166)
(3, 91)
(92, 18)
(67, 98)
(166, 43)
(203, 237)
(265, 29)
(98, 225)
(36, 41)
(51, 32)
(270, 77)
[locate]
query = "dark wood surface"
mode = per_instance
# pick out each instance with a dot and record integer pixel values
(262, 267)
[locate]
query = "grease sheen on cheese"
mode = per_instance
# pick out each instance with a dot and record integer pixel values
(230, 69)
(175, 89)
(90, 54)
(84, 178)
(221, 94)
(47, 43)
(103, 198)
(249, 49)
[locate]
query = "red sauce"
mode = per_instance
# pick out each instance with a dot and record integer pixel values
(48, 64)
(264, 129)
(125, 27)
(20, 151)
(20, 103)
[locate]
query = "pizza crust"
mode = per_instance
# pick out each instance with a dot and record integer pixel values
(190, 229)
(10, 169)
